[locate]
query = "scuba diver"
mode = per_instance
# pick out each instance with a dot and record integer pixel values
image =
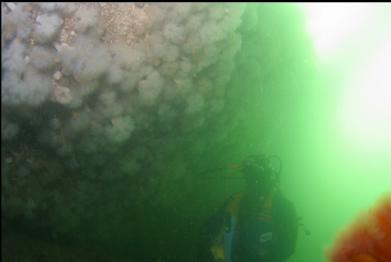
(259, 224)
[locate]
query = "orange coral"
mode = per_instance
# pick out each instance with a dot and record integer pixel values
(368, 239)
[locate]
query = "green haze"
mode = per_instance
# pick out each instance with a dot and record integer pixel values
(133, 172)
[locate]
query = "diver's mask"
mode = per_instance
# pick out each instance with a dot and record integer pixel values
(260, 174)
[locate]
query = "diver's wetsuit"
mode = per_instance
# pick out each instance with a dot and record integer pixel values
(268, 236)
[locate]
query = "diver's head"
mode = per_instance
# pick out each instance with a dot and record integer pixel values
(260, 175)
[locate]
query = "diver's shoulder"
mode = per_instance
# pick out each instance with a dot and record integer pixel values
(237, 194)
(283, 202)
(234, 196)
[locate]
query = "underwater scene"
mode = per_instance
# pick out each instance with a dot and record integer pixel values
(200, 132)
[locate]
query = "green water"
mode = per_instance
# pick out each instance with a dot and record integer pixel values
(281, 99)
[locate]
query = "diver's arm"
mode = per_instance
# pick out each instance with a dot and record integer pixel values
(209, 230)
(292, 231)
(288, 232)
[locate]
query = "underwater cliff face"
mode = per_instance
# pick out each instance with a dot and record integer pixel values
(118, 119)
